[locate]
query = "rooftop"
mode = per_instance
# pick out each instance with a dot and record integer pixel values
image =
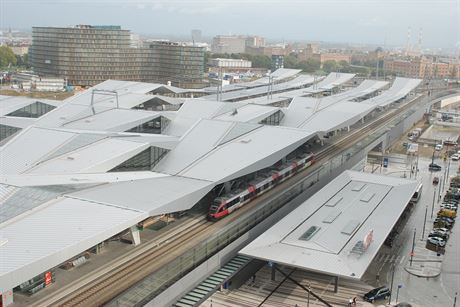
(338, 230)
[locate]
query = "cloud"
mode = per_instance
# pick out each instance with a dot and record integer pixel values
(191, 7)
(375, 21)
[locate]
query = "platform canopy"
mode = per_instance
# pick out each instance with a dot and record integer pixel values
(339, 230)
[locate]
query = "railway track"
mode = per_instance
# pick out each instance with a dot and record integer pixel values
(361, 133)
(101, 290)
(124, 275)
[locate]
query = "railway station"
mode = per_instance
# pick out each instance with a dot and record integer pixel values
(339, 230)
(118, 157)
(332, 237)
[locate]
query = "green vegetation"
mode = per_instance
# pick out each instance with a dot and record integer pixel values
(7, 57)
(23, 61)
(258, 61)
(291, 61)
(310, 65)
(42, 95)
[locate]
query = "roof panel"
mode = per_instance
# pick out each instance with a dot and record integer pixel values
(25, 150)
(160, 195)
(253, 151)
(81, 225)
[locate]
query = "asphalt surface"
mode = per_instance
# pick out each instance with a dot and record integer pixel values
(438, 291)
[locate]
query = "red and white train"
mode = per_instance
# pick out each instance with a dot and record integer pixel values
(223, 206)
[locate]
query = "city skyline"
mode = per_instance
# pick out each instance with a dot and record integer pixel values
(373, 22)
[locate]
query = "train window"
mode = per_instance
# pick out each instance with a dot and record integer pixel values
(258, 190)
(266, 185)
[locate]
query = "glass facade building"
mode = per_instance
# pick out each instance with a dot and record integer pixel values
(87, 55)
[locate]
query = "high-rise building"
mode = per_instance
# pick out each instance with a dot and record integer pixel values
(87, 55)
(180, 64)
(236, 43)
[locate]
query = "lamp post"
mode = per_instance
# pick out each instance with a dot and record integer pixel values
(432, 206)
(392, 279)
(413, 247)
(397, 293)
(424, 222)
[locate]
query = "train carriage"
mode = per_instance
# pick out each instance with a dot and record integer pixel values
(225, 205)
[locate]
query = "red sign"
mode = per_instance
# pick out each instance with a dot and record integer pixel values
(48, 278)
(368, 239)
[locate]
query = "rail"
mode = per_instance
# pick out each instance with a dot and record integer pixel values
(160, 267)
(236, 225)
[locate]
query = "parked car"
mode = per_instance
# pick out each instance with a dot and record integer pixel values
(435, 180)
(436, 234)
(450, 207)
(446, 219)
(434, 167)
(447, 213)
(377, 294)
(442, 229)
(450, 143)
(437, 241)
(438, 147)
(455, 157)
(440, 223)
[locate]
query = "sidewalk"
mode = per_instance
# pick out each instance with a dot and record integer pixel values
(426, 263)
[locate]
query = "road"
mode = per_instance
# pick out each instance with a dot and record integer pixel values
(439, 291)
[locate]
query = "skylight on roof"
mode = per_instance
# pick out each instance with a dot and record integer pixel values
(331, 217)
(350, 227)
(333, 203)
(367, 197)
(358, 187)
(307, 235)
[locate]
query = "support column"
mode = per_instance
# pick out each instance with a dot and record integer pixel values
(273, 271)
(7, 297)
(362, 120)
(348, 128)
(336, 284)
(227, 187)
(136, 236)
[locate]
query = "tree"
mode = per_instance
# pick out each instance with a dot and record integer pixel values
(290, 61)
(343, 64)
(313, 65)
(330, 66)
(261, 61)
(7, 57)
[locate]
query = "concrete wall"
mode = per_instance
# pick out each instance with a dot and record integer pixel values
(448, 101)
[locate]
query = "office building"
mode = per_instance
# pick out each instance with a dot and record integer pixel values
(236, 43)
(86, 55)
(422, 67)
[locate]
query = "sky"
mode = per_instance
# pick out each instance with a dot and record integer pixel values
(375, 22)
